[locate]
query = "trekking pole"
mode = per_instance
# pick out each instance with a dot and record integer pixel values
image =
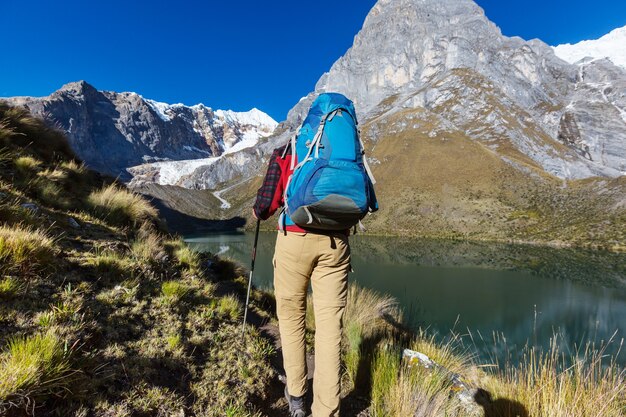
(245, 311)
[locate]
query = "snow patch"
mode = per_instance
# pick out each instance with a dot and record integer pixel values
(171, 172)
(159, 108)
(225, 204)
(195, 149)
(249, 140)
(254, 117)
(611, 45)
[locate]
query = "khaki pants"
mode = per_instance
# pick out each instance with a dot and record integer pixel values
(324, 261)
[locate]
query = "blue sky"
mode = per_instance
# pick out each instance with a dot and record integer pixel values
(226, 54)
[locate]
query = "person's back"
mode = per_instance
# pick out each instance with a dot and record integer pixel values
(322, 181)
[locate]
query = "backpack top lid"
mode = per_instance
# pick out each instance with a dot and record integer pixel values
(324, 104)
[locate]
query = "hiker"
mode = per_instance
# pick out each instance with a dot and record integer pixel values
(324, 186)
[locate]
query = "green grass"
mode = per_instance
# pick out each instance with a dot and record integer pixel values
(121, 207)
(31, 367)
(525, 214)
(261, 349)
(154, 400)
(385, 370)
(237, 410)
(24, 249)
(174, 341)
(12, 213)
(353, 332)
(229, 306)
(65, 312)
(174, 291)
(186, 257)
(109, 263)
(45, 319)
(50, 193)
(9, 287)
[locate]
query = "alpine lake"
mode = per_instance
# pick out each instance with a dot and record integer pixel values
(498, 299)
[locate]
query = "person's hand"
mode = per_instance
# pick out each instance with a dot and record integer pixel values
(254, 215)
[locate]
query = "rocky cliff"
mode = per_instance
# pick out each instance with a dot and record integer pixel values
(446, 59)
(113, 131)
(469, 132)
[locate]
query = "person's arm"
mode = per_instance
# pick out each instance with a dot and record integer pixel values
(269, 196)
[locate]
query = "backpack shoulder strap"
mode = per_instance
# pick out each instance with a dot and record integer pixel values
(365, 164)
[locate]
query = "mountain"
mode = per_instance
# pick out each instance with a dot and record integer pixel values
(469, 133)
(113, 131)
(449, 61)
(609, 46)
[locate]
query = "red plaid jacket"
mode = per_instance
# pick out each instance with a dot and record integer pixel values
(270, 196)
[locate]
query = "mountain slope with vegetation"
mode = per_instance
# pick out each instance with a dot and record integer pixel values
(462, 188)
(102, 312)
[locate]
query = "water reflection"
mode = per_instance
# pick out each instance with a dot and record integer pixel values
(522, 294)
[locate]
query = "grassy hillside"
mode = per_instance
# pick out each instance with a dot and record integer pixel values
(102, 313)
(460, 188)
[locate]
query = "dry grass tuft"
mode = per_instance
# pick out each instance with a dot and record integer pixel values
(544, 384)
(27, 165)
(24, 250)
(371, 310)
(551, 383)
(121, 207)
(148, 247)
(19, 129)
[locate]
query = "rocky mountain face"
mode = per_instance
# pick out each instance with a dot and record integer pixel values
(448, 60)
(446, 57)
(113, 131)
(469, 133)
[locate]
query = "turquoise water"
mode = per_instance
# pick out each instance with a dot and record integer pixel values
(500, 297)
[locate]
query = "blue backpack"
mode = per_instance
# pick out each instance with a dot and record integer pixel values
(331, 187)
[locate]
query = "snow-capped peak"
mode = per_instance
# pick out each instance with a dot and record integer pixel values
(611, 45)
(254, 117)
